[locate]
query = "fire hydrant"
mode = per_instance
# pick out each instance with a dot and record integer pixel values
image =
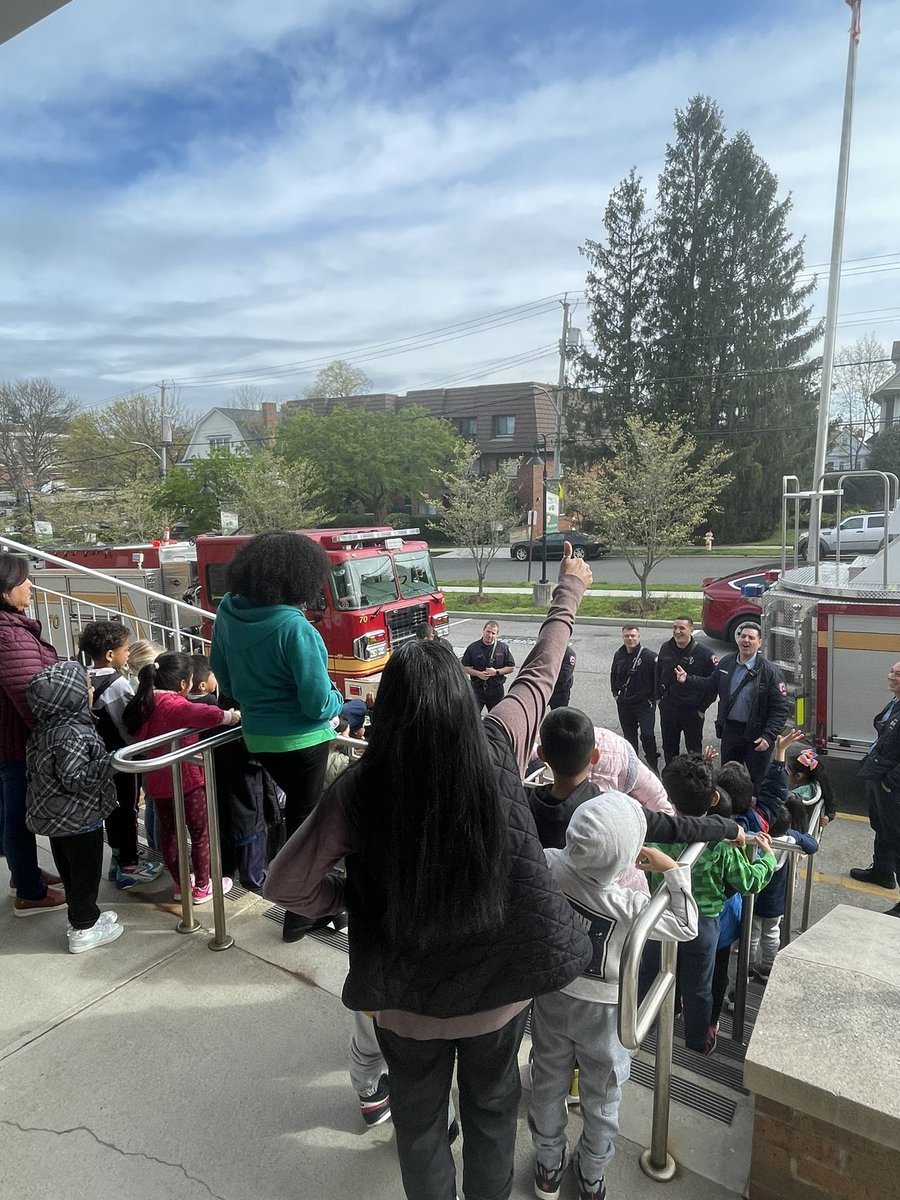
(708, 539)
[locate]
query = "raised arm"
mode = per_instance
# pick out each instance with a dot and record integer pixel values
(521, 711)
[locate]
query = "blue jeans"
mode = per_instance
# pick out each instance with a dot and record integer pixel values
(19, 845)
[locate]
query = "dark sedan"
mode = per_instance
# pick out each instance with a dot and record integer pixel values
(582, 547)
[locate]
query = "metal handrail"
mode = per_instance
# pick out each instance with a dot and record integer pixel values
(635, 1021)
(35, 552)
(126, 760)
(748, 904)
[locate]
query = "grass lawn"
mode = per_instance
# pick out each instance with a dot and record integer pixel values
(595, 586)
(591, 606)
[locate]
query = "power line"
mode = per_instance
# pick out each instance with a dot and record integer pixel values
(377, 350)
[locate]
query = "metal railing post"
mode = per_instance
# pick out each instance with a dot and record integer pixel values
(635, 1020)
(222, 940)
(743, 970)
(814, 830)
(787, 921)
(188, 923)
(657, 1162)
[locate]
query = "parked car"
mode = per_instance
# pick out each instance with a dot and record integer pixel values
(862, 534)
(583, 546)
(724, 607)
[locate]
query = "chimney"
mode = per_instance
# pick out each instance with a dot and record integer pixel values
(269, 415)
(895, 352)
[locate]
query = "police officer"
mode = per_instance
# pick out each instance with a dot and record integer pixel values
(753, 702)
(632, 680)
(681, 706)
(487, 662)
(881, 771)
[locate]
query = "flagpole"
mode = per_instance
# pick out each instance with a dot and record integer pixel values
(834, 287)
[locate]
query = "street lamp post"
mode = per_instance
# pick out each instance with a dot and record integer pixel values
(540, 460)
(156, 454)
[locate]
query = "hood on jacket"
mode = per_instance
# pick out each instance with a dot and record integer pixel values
(605, 836)
(808, 794)
(59, 691)
(257, 621)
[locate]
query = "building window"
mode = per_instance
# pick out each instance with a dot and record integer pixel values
(219, 441)
(504, 426)
(466, 427)
(508, 465)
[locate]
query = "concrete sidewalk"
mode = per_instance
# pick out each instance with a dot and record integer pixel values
(155, 1068)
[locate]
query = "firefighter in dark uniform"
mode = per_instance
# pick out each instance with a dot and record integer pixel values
(681, 707)
(633, 683)
(753, 702)
(487, 662)
(881, 771)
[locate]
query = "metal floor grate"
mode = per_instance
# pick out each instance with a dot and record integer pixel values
(337, 939)
(711, 1104)
(725, 1068)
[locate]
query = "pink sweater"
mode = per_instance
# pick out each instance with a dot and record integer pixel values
(171, 712)
(620, 770)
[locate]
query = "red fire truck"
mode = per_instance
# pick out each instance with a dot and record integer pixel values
(380, 587)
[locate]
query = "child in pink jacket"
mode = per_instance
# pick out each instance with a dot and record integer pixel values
(160, 705)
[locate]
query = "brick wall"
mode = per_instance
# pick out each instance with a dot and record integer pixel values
(797, 1157)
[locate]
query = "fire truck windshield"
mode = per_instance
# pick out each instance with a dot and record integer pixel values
(360, 583)
(416, 574)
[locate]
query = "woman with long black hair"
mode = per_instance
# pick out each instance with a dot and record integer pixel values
(455, 924)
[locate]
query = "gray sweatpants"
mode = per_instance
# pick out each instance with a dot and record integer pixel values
(565, 1030)
(367, 1063)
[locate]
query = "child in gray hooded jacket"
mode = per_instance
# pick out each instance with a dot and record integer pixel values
(70, 792)
(604, 839)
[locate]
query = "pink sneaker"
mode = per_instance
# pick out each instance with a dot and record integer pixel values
(176, 895)
(203, 894)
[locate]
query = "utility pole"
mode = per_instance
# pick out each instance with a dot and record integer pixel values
(560, 392)
(834, 289)
(165, 434)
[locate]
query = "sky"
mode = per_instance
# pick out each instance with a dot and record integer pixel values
(219, 192)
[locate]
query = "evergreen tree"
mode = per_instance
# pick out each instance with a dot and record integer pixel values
(620, 293)
(733, 317)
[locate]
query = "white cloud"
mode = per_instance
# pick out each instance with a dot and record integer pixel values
(360, 212)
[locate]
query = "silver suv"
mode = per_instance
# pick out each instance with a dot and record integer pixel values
(859, 535)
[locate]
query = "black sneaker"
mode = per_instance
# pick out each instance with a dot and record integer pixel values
(869, 875)
(376, 1107)
(547, 1180)
(590, 1191)
(893, 912)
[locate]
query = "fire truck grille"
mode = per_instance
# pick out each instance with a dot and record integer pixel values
(402, 623)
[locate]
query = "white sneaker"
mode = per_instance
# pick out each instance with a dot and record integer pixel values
(106, 918)
(98, 935)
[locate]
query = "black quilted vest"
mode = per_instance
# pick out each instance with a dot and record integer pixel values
(537, 949)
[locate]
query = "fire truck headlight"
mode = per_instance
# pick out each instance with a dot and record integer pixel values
(441, 624)
(370, 645)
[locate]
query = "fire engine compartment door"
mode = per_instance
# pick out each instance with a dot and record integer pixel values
(861, 649)
(81, 598)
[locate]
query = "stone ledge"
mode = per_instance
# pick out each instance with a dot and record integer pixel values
(826, 1040)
